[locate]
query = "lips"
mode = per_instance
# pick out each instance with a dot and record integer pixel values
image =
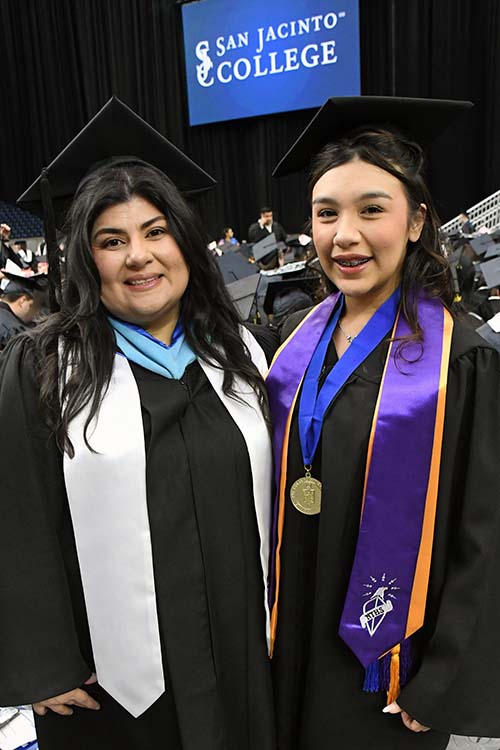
(351, 261)
(143, 280)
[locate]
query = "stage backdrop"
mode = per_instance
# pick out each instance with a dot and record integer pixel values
(257, 58)
(62, 60)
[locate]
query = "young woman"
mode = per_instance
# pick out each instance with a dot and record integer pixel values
(386, 409)
(136, 479)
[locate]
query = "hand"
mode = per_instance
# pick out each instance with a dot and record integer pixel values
(412, 724)
(61, 704)
(4, 231)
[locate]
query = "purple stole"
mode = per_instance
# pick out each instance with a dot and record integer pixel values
(387, 592)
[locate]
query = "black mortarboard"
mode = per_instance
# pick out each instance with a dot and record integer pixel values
(14, 281)
(243, 294)
(480, 244)
(423, 120)
(234, 266)
(278, 288)
(266, 246)
(491, 272)
(113, 133)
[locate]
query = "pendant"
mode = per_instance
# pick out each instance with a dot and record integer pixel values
(305, 494)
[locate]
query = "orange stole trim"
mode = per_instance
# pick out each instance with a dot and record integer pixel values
(418, 597)
(281, 522)
(375, 417)
(282, 487)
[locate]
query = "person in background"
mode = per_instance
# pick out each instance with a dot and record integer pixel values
(22, 298)
(466, 225)
(228, 237)
(265, 226)
(384, 585)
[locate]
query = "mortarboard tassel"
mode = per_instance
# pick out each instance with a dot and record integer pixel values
(49, 223)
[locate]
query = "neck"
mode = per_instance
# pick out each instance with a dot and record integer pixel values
(164, 329)
(359, 310)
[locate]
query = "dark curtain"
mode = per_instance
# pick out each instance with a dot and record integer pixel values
(62, 59)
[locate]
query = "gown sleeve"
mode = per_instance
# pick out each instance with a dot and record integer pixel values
(39, 650)
(456, 688)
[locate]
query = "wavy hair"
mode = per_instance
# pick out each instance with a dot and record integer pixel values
(425, 267)
(79, 341)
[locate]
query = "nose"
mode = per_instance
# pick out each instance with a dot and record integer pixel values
(346, 231)
(138, 254)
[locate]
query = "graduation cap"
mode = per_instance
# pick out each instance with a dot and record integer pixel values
(234, 266)
(491, 272)
(480, 244)
(115, 135)
(422, 119)
(296, 289)
(243, 293)
(15, 281)
(266, 246)
(492, 250)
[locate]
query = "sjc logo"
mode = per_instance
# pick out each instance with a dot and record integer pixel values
(206, 65)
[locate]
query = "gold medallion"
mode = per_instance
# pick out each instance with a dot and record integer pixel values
(305, 494)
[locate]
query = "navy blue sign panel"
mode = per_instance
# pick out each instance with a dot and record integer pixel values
(255, 58)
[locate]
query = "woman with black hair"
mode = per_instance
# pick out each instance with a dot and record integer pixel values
(134, 544)
(386, 563)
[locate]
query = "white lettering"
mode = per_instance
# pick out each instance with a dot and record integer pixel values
(260, 33)
(304, 24)
(258, 71)
(221, 48)
(219, 72)
(330, 20)
(246, 64)
(291, 59)
(283, 30)
(243, 39)
(311, 62)
(316, 21)
(292, 29)
(329, 55)
(274, 69)
(231, 44)
(270, 36)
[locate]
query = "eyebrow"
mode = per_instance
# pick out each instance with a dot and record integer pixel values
(115, 230)
(365, 196)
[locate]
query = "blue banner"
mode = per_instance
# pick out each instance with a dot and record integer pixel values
(266, 56)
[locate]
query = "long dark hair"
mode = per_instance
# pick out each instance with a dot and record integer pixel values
(79, 341)
(425, 267)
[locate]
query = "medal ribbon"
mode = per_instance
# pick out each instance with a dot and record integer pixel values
(315, 402)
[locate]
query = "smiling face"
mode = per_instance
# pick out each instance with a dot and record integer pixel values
(361, 226)
(143, 272)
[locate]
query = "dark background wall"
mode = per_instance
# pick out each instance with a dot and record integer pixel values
(62, 59)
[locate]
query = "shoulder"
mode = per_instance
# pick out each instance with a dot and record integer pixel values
(18, 362)
(466, 342)
(267, 339)
(292, 322)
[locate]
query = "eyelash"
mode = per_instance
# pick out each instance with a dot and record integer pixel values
(153, 233)
(329, 213)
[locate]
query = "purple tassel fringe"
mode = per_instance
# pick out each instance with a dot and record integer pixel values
(378, 674)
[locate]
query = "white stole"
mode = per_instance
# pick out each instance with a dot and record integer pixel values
(107, 498)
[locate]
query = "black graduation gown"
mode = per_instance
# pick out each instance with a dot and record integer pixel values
(209, 581)
(10, 325)
(318, 680)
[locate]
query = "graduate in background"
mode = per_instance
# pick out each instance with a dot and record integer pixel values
(386, 412)
(22, 298)
(134, 552)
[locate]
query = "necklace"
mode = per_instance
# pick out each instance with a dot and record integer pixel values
(347, 336)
